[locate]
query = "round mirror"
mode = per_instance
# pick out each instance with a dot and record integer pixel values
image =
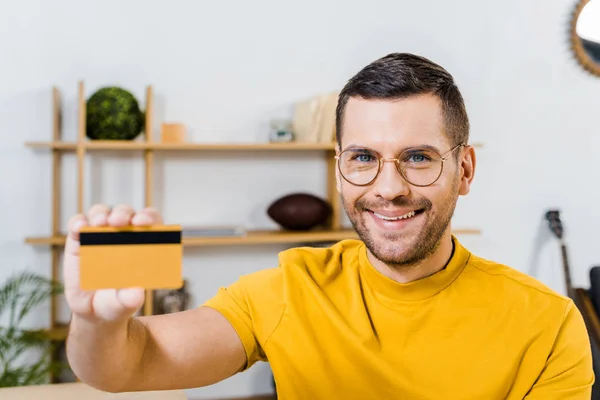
(585, 35)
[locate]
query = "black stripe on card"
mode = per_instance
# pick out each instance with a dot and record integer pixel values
(128, 237)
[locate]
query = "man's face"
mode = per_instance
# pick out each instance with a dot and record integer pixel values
(388, 127)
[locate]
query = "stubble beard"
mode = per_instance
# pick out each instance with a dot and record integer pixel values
(401, 251)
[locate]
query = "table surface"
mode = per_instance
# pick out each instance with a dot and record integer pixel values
(77, 391)
(264, 397)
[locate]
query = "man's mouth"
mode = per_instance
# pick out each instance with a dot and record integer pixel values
(398, 217)
(395, 215)
(391, 220)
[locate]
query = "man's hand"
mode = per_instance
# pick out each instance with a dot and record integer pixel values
(108, 305)
(110, 350)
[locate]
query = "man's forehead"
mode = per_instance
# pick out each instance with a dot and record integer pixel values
(395, 123)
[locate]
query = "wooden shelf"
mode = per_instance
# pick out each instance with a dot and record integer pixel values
(46, 240)
(52, 145)
(58, 333)
(272, 237)
(135, 145)
(253, 237)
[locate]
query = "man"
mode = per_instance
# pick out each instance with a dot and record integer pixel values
(406, 312)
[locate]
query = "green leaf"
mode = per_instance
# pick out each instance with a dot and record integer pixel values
(20, 294)
(22, 285)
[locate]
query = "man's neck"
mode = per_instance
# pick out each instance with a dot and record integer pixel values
(435, 262)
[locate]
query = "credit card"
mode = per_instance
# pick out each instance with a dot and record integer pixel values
(149, 257)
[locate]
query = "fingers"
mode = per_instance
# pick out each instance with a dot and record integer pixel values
(75, 224)
(149, 216)
(98, 215)
(101, 215)
(71, 258)
(120, 215)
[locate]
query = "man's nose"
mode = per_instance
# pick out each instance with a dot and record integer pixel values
(390, 184)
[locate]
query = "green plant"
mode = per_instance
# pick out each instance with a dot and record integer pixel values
(19, 295)
(113, 113)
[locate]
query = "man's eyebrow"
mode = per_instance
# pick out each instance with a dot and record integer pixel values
(354, 146)
(422, 147)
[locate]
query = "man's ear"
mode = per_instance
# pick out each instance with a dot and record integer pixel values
(467, 166)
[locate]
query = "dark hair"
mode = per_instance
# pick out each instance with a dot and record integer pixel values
(400, 75)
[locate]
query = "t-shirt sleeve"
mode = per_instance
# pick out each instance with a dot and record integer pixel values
(568, 374)
(253, 305)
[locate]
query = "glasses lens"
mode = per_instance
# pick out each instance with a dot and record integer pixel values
(421, 167)
(358, 166)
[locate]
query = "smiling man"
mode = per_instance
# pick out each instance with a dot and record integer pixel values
(406, 312)
(398, 186)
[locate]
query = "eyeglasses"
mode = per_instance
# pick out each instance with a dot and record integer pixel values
(419, 166)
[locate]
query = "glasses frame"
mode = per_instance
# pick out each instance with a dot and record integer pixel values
(396, 160)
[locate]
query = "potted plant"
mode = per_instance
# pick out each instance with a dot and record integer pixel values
(19, 295)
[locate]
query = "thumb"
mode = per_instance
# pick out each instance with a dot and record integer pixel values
(117, 304)
(131, 298)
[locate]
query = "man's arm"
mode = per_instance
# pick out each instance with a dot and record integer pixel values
(194, 348)
(568, 374)
(110, 350)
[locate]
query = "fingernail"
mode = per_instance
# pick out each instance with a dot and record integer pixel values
(119, 215)
(98, 219)
(141, 219)
(78, 225)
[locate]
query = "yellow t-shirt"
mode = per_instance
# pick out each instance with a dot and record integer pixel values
(332, 327)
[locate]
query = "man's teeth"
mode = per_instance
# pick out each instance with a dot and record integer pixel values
(405, 216)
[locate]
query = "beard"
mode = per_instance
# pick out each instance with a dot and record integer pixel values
(406, 249)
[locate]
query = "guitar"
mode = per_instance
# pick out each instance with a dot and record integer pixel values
(553, 218)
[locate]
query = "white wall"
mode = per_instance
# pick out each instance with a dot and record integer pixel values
(225, 68)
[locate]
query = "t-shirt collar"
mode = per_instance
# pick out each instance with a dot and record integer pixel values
(420, 289)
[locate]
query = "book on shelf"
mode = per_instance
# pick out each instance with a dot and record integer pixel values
(314, 119)
(212, 231)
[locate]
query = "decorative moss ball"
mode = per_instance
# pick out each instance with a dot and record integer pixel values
(113, 114)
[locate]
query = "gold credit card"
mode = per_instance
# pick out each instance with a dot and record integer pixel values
(149, 257)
